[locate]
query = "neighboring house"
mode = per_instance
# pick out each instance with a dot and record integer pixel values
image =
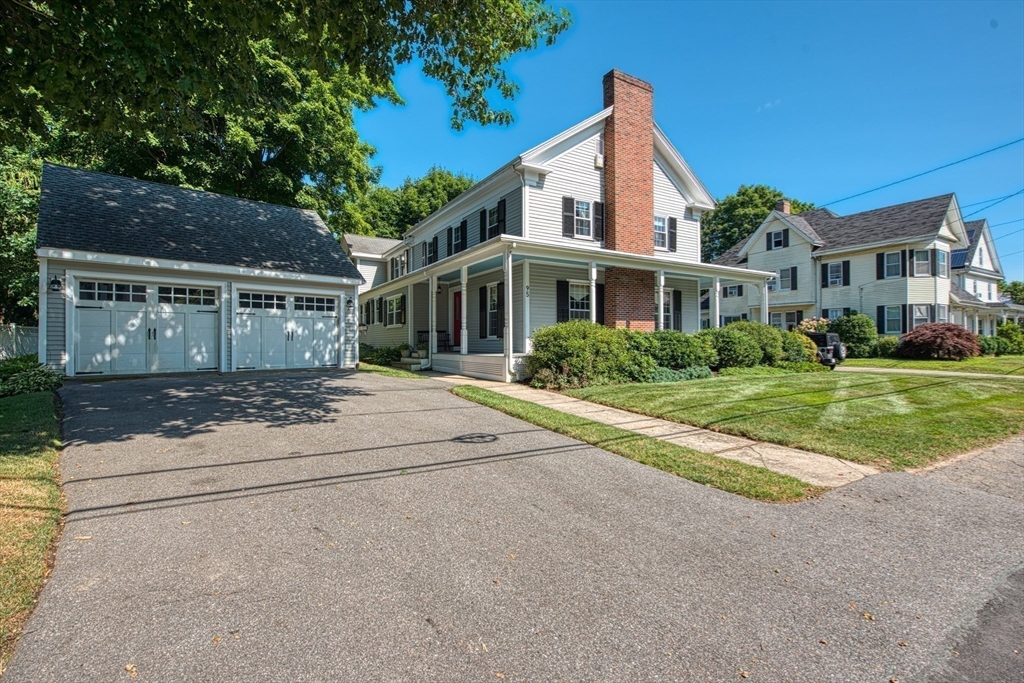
(974, 293)
(896, 264)
(138, 277)
(365, 252)
(601, 222)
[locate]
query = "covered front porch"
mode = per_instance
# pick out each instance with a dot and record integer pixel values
(477, 311)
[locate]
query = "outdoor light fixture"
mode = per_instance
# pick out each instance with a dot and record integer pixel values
(350, 304)
(439, 289)
(55, 284)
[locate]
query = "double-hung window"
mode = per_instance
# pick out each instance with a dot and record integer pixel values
(777, 239)
(835, 274)
(833, 313)
(893, 320)
(892, 264)
(942, 263)
(394, 311)
(492, 222)
(492, 310)
(732, 291)
(660, 232)
(942, 313)
(784, 321)
(583, 219)
(785, 279)
(579, 301)
(666, 310)
(397, 267)
(431, 254)
(920, 314)
(922, 263)
(990, 297)
(776, 320)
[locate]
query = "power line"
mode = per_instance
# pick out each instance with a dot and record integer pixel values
(983, 201)
(998, 201)
(996, 239)
(923, 173)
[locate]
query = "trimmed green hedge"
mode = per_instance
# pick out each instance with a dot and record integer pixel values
(25, 375)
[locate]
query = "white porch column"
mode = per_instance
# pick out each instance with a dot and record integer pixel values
(593, 291)
(410, 317)
(714, 308)
(463, 337)
(433, 315)
(527, 345)
(355, 308)
(764, 303)
(975, 330)
(509, 346)
(659, 319)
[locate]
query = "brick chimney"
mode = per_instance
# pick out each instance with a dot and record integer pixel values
(629, 198)
(783, 206)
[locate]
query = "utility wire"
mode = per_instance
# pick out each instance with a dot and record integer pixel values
(923, 173)
(983, 201)
(996, 239)
(998, 201)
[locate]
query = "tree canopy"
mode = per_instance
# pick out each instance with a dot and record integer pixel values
(738, 215)
(1014, 289)
(166, 66)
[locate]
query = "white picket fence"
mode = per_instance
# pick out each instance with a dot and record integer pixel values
(18, 340)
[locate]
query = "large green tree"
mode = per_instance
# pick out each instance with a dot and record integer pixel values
(738, 215)
(1014, 289)
(19, 202)
(389, 212)
(104, 62)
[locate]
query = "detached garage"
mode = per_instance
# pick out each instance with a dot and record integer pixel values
(138, 277)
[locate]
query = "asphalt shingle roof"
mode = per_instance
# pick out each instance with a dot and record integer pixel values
(89, 211)
(959, 258)
(902, 221)
(365, 244)
(962, 294)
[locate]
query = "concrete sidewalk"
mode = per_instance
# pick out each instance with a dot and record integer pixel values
(937, 373)
(814, 468)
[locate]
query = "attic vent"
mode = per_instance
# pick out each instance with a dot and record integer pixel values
(598, 161)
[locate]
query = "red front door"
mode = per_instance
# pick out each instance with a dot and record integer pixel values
(457, 319)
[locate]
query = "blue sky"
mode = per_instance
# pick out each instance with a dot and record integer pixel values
(822, 100)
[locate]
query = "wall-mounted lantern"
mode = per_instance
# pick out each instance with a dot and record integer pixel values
(56, 285)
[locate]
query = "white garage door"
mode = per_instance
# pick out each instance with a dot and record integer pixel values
(275, 331)
(134, 327)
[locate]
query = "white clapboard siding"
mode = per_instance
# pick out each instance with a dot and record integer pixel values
(573, 174)
(669, 202)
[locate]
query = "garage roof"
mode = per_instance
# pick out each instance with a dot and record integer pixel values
(88, 211)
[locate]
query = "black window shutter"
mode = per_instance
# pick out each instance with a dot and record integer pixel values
(568, 217)
(434, 242)
(423, 255)
(880, 318)
(483, 312)
(846, 311)
(903, 263)
(785, 237)
(677, 306)
(408, 260)
(501, 216)
(725, 292)
(824, 313)
(671, 234)
(739, 290)
(880, 266)
(449, 244)
(903, 318)
(799, 317)
(846, 273)
(910, 262)
(743, 316)
(792, 278)
(483, 225)
(824, 276)
(935, 266)
(463, 234)
(931, 307)
(401, 308)
(562, 301)
(768, 241)
(600, 302)
(598, 221)
(500, 332)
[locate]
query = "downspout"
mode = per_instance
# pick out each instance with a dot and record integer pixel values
(509, 332)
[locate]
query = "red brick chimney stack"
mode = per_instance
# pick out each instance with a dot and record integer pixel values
(783, 206)
(629, 199)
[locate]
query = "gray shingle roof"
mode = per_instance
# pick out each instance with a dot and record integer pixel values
(959, 258)
(962, 295)
(89, 211)
(365, 244)
(903, 221)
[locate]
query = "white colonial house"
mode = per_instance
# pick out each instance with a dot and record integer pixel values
(600, 222)
(903, 265)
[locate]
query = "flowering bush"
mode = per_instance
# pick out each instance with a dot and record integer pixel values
(813, 325)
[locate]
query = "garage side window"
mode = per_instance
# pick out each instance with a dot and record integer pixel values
(109, 291)
(314, 303)
(193, 296)
(259, 300)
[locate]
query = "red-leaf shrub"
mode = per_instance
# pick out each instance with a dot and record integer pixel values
(938, 340)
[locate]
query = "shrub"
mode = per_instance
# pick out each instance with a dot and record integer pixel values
(813, 325)
(797, 347)
(1013, 335)
(886, 346)
(734, 349)
(765, 336)
(662, 374)
(644, 343)
(578, 353)
(383, 355)
(858, 332)
(994, 346)
(677, 350)
(12, 366)
(938, 340)
(26, 381)
(807, 366)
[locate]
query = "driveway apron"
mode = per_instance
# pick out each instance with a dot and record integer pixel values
(348, 526)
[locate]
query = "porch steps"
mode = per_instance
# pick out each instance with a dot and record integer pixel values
(411, 364)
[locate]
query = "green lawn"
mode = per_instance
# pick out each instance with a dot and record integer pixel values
(728, 475)
(995, 365)
(887, 420)
(30, 507)
(389, 371)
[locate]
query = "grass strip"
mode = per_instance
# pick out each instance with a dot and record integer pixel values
(746, 480)
(30, 507)
(388, 371)
(993, 365)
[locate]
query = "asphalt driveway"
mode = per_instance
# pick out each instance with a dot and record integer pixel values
(354, 527)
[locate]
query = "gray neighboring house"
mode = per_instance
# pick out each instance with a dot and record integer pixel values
(138, 277)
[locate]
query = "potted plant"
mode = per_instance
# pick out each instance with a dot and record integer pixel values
(406, 351)
(422, 348)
